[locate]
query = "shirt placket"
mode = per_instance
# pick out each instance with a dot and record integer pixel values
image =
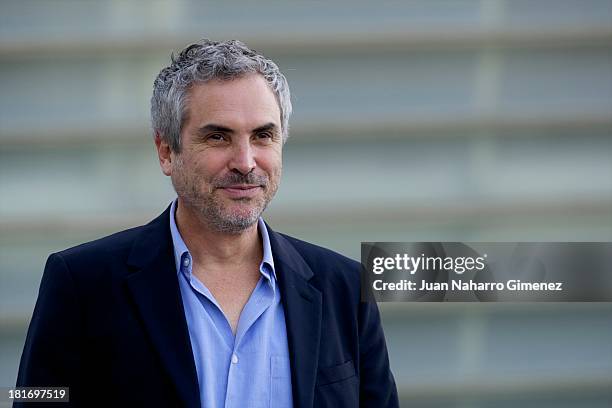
(260, 301)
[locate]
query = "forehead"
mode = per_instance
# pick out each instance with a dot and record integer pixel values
(243, 101)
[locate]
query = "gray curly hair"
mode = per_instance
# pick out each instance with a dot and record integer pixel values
(201, 62)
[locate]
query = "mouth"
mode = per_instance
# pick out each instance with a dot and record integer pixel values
(242, 190)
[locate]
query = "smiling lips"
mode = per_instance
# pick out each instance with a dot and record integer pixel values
(242, 190)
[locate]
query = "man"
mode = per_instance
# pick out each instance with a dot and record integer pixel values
(206, 305)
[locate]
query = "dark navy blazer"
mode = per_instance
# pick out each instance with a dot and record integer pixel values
(109, 323)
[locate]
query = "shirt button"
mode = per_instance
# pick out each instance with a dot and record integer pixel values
(234, 359)
(186, 262)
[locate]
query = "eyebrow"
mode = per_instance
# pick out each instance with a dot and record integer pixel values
(267, 126)
(211, 127)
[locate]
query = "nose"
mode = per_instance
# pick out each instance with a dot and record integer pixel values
(243, 158)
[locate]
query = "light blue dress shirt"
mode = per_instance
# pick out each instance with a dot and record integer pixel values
(252, 368)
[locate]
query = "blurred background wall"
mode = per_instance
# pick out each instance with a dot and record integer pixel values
(466, 120)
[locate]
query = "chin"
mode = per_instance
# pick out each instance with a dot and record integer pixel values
(233, 225)
(241, 216)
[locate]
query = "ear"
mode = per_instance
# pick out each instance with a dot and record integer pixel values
(164, 154)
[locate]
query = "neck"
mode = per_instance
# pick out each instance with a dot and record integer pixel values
(217, 248)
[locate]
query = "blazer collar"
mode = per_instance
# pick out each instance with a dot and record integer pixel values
(156, 294)
(302, 304)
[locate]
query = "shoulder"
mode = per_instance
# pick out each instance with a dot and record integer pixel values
(112, 253)
(115, 245)
(333, 272)
(316, 255)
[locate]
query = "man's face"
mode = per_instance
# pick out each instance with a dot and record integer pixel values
(230, 163)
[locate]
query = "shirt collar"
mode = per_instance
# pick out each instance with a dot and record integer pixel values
(180, 249)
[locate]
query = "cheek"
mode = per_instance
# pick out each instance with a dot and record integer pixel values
(272, 162)
(189, 168)
(210, 164)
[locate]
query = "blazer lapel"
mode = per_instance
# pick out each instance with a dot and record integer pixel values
(302, 305)
(155, 291)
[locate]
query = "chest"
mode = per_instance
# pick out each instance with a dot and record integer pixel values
(250, 365)
(231, 290)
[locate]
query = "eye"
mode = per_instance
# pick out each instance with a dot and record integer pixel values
(265, 136)
(216, 137)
